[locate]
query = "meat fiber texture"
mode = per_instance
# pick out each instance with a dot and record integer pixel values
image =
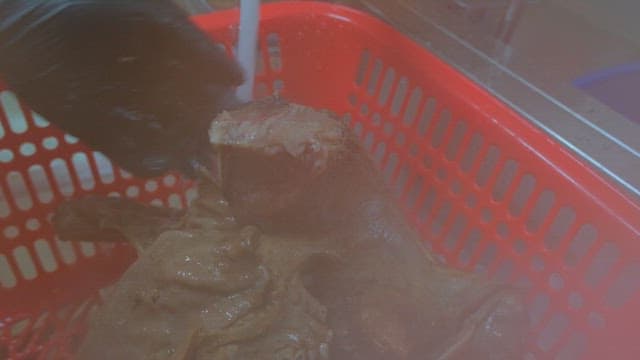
(295, 249)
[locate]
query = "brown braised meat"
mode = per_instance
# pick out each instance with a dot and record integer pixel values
(290, 169)
(202, 288)
(298, 252)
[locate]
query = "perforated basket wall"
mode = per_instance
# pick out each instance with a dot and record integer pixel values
(488, 191)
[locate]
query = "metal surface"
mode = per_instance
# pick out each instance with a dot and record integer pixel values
(528, 53)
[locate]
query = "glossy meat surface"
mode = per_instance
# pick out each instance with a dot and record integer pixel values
(296, 252)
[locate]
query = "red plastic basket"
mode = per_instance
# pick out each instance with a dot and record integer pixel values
(489, 191)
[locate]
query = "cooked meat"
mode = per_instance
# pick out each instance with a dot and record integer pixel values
(291, 169)
(298, 252)
(203, 289)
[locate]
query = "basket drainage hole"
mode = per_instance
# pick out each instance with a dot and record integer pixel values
(550, 335)
(456, 187)
(33, 224)
(388, 128)
(575, 301)
(191, 195)
(70, 139)
(427, 161)
(261, 90)
(20, 327)
(413, 149)
(362, 68)
(157, 202)
(151, 186)
(39, 121)
(376, 119)
(25, 263)
(66, 250)
(273, 49)
(278, 86)
(175, 201)
(504, 272)
(580, 245)
(602, 263)
(11, 232)
(574, 348)
(471, 201)
(486, 215)
(556, 282)
(538, 308)
(503, 230)
(133, 191)
(5, 209)
(537, 264)
(387, 84)
(380, 152)
(45, 254)
(7, 276)
(368, 141)
(357, 129)
(596, 320)
(50, 143)
(412, 108)
(27, 149)
(520, 246)
(352, 99)
(625, 287)
(6, 156)
(400, 139)
(169, 180)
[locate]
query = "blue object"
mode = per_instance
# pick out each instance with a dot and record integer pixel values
(617, 87)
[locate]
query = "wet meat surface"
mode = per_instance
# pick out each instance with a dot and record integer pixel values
(295, 250)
